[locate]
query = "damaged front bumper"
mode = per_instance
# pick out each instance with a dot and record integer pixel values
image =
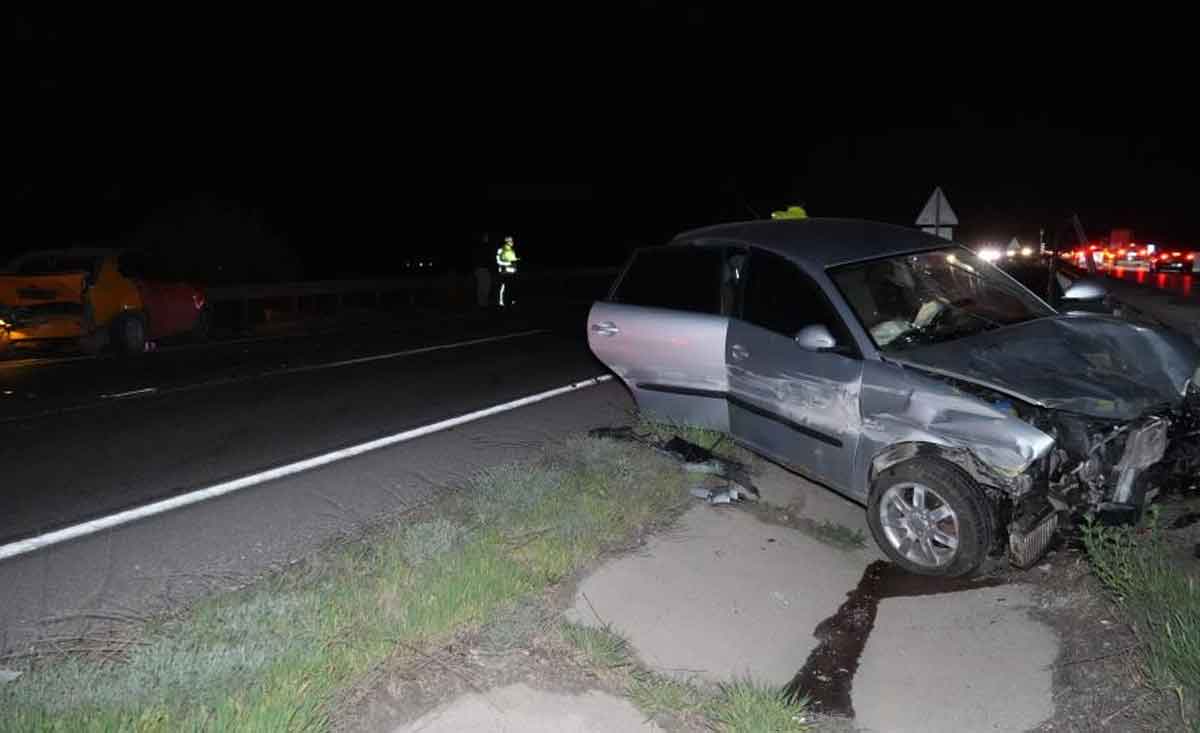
(1099, 469)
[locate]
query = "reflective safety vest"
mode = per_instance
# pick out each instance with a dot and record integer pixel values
(792, 212)
(506, 259)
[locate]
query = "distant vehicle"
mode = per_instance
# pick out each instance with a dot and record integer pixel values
(909, 374)
(1172, 261)
(1129, 256)
(93, 298)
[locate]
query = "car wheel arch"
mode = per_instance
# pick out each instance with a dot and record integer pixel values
(962, 458)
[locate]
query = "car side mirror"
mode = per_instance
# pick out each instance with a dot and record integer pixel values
(815, 337)
(1085, 290)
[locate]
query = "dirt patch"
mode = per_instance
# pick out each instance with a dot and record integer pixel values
(519, 647)
(1098, 683)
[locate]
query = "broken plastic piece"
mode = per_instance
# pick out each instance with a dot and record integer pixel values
(729, 495)
(709, 467)
(696, 458)
(723, 497)
(8, 675)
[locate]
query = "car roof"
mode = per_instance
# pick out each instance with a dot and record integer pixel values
(819, 243)
(92, 252)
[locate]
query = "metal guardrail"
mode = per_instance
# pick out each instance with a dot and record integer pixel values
(417, 283)
(428, 290)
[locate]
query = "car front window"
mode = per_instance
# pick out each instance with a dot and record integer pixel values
(932, 297)
(54, 264)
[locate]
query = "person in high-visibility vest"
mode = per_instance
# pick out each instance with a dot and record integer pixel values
(791, 212)
(506, 267)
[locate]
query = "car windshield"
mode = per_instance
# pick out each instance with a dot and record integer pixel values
(932, 297)
(52, 264)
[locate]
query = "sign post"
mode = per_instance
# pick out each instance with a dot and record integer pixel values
(937, 217)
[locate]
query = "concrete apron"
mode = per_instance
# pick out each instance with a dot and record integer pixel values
(528, 710)
(727, 595)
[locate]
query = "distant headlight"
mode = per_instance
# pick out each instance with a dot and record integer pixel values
(990, 254)
(1026, 251)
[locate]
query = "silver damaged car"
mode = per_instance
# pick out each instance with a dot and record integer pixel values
(967, 415)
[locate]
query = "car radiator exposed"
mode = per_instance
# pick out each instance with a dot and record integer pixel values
(1028, 541)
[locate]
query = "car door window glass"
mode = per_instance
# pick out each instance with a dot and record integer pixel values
(676, 277)
(781, 298)
(733, 274)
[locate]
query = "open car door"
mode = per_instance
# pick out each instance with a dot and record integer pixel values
(662, 331)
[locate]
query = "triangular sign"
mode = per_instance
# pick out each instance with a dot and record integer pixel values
(937, 212)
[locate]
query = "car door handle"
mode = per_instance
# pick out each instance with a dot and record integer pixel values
(605, 328)
(739, 352)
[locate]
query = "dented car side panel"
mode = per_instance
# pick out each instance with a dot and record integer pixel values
(797, 407)
(901, 407)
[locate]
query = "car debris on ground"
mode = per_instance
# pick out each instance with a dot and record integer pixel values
(729, 495)
(695, 459)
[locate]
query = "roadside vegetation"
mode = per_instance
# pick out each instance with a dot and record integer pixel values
(273, 657)
(715, 441)
(276, 656)
(740, 706)
(1162, 603)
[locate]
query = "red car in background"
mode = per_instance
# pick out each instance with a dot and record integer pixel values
(97, 297)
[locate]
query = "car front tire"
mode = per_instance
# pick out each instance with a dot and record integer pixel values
(930, 518)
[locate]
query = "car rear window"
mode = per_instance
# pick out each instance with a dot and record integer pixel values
(52, 264)
(677, 277)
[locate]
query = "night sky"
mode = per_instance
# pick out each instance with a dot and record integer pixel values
(329, 163)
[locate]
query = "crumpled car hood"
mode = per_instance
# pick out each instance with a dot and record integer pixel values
(1091, 365)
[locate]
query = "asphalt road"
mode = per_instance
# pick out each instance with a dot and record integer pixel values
(85, 438)
(1183, 284)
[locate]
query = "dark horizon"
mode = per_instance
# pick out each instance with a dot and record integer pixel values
(998, 192)
(348, 184)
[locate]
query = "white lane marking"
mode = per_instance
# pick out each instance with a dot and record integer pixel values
(34, 361)
(277, 372)
(13, 549)
(329, 365)
(130, 393)
(408, 352)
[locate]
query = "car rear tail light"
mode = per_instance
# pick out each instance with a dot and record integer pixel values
(1191, 257)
